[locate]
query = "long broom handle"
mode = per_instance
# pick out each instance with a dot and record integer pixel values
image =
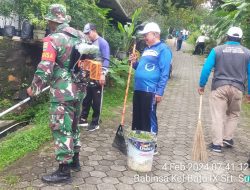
(20, 103)
(200, 107)
(127, 88)
(101, 102)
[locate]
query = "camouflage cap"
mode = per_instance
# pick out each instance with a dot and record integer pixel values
(57, 13)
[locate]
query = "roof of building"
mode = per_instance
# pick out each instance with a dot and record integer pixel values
(117, 11)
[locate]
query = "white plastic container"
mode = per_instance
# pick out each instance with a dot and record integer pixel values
(140, 153)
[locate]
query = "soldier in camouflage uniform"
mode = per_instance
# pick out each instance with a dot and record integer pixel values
(65, 94)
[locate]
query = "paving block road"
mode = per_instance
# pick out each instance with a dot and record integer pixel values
(105, 168)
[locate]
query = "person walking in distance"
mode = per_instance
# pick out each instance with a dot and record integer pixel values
(231, 63)
(151, 76)
(179, 40)
(65, 94)
(95, 88)
(200, 45)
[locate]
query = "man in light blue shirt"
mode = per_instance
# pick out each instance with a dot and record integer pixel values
(231, 63)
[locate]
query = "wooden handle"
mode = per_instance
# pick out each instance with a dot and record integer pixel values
(127, 88)
(200, 107)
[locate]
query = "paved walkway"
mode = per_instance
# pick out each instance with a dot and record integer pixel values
(104, 168)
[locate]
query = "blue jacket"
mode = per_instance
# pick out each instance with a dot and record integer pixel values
(210, 63)
(152, 70)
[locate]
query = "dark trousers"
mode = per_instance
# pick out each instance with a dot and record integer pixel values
(92, 99)
(179, 43)
(199, 49)
(64, 117)
(144, 112)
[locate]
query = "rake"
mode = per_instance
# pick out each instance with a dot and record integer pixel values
(119, 140)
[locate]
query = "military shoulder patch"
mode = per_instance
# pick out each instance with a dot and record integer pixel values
(49, 52)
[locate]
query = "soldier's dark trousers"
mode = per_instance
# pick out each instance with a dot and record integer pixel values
(64, 117)
(92, 99)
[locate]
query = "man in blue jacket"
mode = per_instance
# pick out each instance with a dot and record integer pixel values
(151, 76)
(231, 63)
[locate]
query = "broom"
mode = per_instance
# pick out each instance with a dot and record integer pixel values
(199, 152)
(119, 140)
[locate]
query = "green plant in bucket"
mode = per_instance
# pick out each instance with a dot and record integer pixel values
(141, 135)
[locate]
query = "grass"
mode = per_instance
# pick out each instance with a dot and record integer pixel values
(11, 180)
(246, 110)
(112, 98)
(18, 144)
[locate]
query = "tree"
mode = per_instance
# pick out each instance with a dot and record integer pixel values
(128, 30)
(178, 3)
(6, 9)
(233, 13)
(84, 11)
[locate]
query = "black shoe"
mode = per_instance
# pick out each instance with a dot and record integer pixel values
(248, 162)
(93, 127)
(61, 175)
(215, 148)
(83, 123)
(75, 165)
(228, 143)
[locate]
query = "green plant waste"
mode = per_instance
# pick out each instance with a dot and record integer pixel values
(143, 136)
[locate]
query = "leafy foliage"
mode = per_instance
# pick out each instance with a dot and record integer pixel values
(34, 11)
(6, 8)
(113, 36)
(118, 72)
(168, 15)
(165, 4)
(26, 114)
(128, 30)
(84, 11)
(233, 13)
(5, 103)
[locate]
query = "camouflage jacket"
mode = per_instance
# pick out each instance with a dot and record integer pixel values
(57, 46)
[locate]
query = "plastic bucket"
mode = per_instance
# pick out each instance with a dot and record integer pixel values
(140, 153)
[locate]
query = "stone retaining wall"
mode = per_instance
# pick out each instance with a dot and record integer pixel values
(18, 62)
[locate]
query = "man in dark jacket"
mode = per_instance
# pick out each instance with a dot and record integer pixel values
(95, 88)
